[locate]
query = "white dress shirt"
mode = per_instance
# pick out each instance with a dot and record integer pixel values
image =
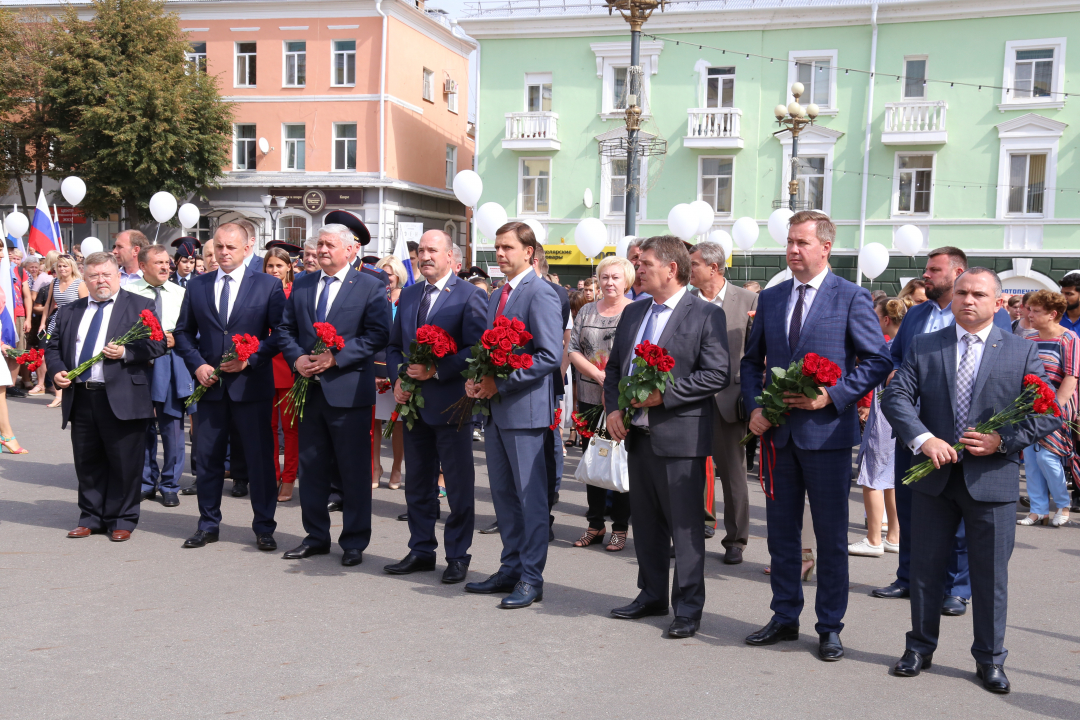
(642, 420)
(237, 276)
(172, 297)
(126, 277)
(939, 317)
(977, 348)
(808, 297)
(441, 283)
(335, 288)
(719, 299)
(97, 372)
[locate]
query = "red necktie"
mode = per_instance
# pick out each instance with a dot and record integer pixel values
(502, 298)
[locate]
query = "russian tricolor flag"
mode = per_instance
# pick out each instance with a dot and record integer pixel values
(42, 230)
(401, 251)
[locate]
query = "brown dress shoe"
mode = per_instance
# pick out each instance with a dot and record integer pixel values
(79, 532)
(119, 535)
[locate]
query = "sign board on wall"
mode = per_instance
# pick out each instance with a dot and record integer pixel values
(570, 255)
(410, 231)
(71, 215)
(330, 197)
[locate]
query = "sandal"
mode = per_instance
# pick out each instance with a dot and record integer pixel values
(617, 541)
(36, 390)
(395, 484)
(5, 447)
(591, 536)
(281, 497)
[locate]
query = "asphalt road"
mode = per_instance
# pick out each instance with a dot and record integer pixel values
(144, 629)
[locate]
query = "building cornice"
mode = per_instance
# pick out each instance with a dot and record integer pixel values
(244, 179)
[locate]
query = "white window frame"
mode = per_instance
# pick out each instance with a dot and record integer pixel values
(286, 140)
(521, 186)
(814, 140)
(895, 212)
(193, 58)
(803, 56)
(1028, 133)
(247, 64)
(451, 164)
(452, 102)
(291, 213)
(903, 83)
(701, 181)
(605, 193)
(333, 62)
(610, 55)
(334, 142)
(286, 55)
(1009, 101)
(236, 140)
(704, 89)
(428, 92)
(538, 79)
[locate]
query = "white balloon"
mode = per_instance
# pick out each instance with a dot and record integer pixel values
(873, 259)
(467, 187)
(705, 215)
(778, 225)
(723, 239)
(683, 221)
(538, 230)
(622, 248)
(16, 224)
(162, 206)
(90, 245)
(489, 218)
(188, 215)
(73, 189)
(591, 237)
(745, 231)
(908, 239)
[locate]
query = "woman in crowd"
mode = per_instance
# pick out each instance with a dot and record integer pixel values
(577, 301)
(276, 262)
(8, 443)
(1044, 461)
(384, 400)
(590, 346)
(1022, 325)
(67, 287)
(200, 265)
(914, 293)
(877, 453)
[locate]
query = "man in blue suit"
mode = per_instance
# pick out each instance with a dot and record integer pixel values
(436, 439)
(335, 429)
(234, 300)
(822, 313)
(943, 266)
(520, 417)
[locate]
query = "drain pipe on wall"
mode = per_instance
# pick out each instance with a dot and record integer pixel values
(869, 131)
(382, 124)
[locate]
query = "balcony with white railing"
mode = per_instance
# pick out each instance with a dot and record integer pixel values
(915, 122)
(532, 131)
(714, 128)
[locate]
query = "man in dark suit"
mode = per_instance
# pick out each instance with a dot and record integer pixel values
(816, 312)
(236, 299)
(436, 439)
(943, 266)
(668, 441)
(941, 392)
(109, 407)
(553, 452)
(336, 423)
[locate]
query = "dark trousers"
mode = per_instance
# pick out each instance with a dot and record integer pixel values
(992, 530)
(109, 455)
(729, 467)
(220, 423)
(333, 439)
(428, 447)
(823, 476)
(620, 508)
(167, 477)
(517, 474)
(665, 500)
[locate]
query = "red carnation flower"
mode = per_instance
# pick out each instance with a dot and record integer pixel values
(1032, 380)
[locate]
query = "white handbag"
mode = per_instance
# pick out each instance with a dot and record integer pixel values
(603, 465)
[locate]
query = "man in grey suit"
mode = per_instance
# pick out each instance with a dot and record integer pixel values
(707, 264)
(667, 443)
(944, 389)
(520, 417)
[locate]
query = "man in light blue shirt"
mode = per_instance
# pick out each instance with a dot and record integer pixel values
(126, 251)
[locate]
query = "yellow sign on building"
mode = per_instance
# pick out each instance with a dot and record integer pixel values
(570, 255)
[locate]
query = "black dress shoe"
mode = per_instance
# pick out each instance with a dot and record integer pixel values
(773, 633)
(912, 663)
(333, 506)
(682, 627)
(733, 556)
(637, 610)
(304, 551)
(403, 517)
(491, 529)
(993, 678)
(149, 494)
(239, 488)
(893, 591)
(497, 583)
(455, 572)
(352, 557)
(412, 563)
(200, 539)
(265, 541)
(523, 596)
(710, 531)
(830, 649)
(169, 499)
(953, 605)
(190, 490)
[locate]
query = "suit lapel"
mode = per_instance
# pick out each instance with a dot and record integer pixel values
(678, 313)
(518, 291)
(241, 296)
(948, 359)
(990, 354)
(114, 330)
(776, 324)
(342, 297)
(72, 338)
(210, 302)
(822, 299)
(443, 297)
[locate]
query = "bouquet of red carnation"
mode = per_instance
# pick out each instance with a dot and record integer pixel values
(558, 419)
(1037, 398)
(803, 377)
(296, 397)
(32, 358)
(654, 373)
(243, 347)
(494, 356)
(586, 423)
(147, 327)
(432, 343)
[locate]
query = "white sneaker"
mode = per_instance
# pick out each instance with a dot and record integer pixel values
(863, 548)
(891, 547)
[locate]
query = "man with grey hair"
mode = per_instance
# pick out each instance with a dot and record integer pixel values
(311, 263)
(633, 254)
(707, 265)
(458, 257)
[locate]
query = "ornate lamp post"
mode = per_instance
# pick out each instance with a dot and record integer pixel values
(280, 201)
(793, 119)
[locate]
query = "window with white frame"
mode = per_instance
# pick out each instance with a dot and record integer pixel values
(715, 183)
(451, 101)
(295, 63)
(1027, 166)
(811, 178)
(615, 186)
(344, 146)
(535, 186)
(1027, 182)
(915, 78)
(203, 232)
(429, 85)
(196, 57)
(344, 63)
(816, 70)
(619, 87)
(451, 165)
(1034, 73)
(720, 87)
(612, 63)
(914, 184)
(538, 92)
(292, 228)
(245, 64)
(244, 144)
(294, 147)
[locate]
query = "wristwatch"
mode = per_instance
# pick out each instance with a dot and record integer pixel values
(1001, 445)
(436, 375)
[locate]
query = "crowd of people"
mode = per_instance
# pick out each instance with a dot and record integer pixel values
(914, 379)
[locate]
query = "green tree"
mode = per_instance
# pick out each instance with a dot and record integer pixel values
(128, 117)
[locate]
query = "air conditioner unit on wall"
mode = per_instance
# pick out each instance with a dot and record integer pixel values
(449, 86)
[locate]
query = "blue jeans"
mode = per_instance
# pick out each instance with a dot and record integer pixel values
(1045, 479)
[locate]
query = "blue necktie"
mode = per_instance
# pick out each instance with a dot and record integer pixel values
(650, 325)
(93, 332)
(324, 298)
(223, 303)
(425, 304)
